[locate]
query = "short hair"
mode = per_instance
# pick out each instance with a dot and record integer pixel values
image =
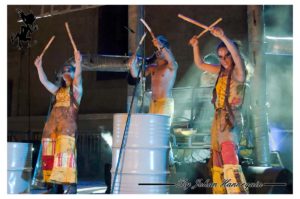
(163, 40)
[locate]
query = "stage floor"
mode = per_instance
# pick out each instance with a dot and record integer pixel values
(83, 187)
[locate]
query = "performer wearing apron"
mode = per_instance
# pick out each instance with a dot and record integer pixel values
(59, 134)
(227, 99)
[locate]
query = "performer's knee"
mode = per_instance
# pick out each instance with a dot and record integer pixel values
(216, 158)
(228, 152)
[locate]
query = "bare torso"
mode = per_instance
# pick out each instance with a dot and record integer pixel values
(162, 79)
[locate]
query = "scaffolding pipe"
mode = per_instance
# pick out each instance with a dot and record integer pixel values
(135, 12)
(258, 84)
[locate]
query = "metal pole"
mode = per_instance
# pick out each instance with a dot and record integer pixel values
(258, 84)
(135, 12)
(124, 138)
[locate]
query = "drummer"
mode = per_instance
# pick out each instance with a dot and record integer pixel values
(162, 68)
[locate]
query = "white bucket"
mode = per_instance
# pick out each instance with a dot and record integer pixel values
(19, 167)
(145, 157)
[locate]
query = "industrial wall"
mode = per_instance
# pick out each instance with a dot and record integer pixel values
(104, 95)
(101, 30)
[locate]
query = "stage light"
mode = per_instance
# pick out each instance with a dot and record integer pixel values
(279, 38)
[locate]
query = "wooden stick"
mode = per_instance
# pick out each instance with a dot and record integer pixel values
(138, 47)
(140, 43)
(212, 25)
(70, 36)
(148, 28)
(192, 21)
(47, 46)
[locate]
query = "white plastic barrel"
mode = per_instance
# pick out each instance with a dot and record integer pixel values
(19, 167)
(145, 157)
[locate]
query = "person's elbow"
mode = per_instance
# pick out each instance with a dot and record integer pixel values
(44, 80)
(133, 73)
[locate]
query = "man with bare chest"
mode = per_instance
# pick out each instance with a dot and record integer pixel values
(163, 74)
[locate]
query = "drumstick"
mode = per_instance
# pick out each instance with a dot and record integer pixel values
(70, 36)
(140, 43)
(192, 21)
(148, 28)
(212, 25)
(47, 46)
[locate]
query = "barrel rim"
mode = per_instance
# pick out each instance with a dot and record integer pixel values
(144, 114)
(159, 147)
(142, 173)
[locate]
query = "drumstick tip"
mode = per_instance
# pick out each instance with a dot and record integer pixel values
(66, 25)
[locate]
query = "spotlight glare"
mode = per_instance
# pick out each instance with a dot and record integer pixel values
(279, 38)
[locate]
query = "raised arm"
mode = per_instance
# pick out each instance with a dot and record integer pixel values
(78, 69)
(52, 88)
(198, 59)
(239, 69)
(77, 81)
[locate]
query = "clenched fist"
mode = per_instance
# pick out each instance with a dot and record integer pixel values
(193, 41)
(77, 56)
(217, 32)
(38, 62)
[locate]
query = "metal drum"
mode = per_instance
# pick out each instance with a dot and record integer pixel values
(145, 157)
(19, 167)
